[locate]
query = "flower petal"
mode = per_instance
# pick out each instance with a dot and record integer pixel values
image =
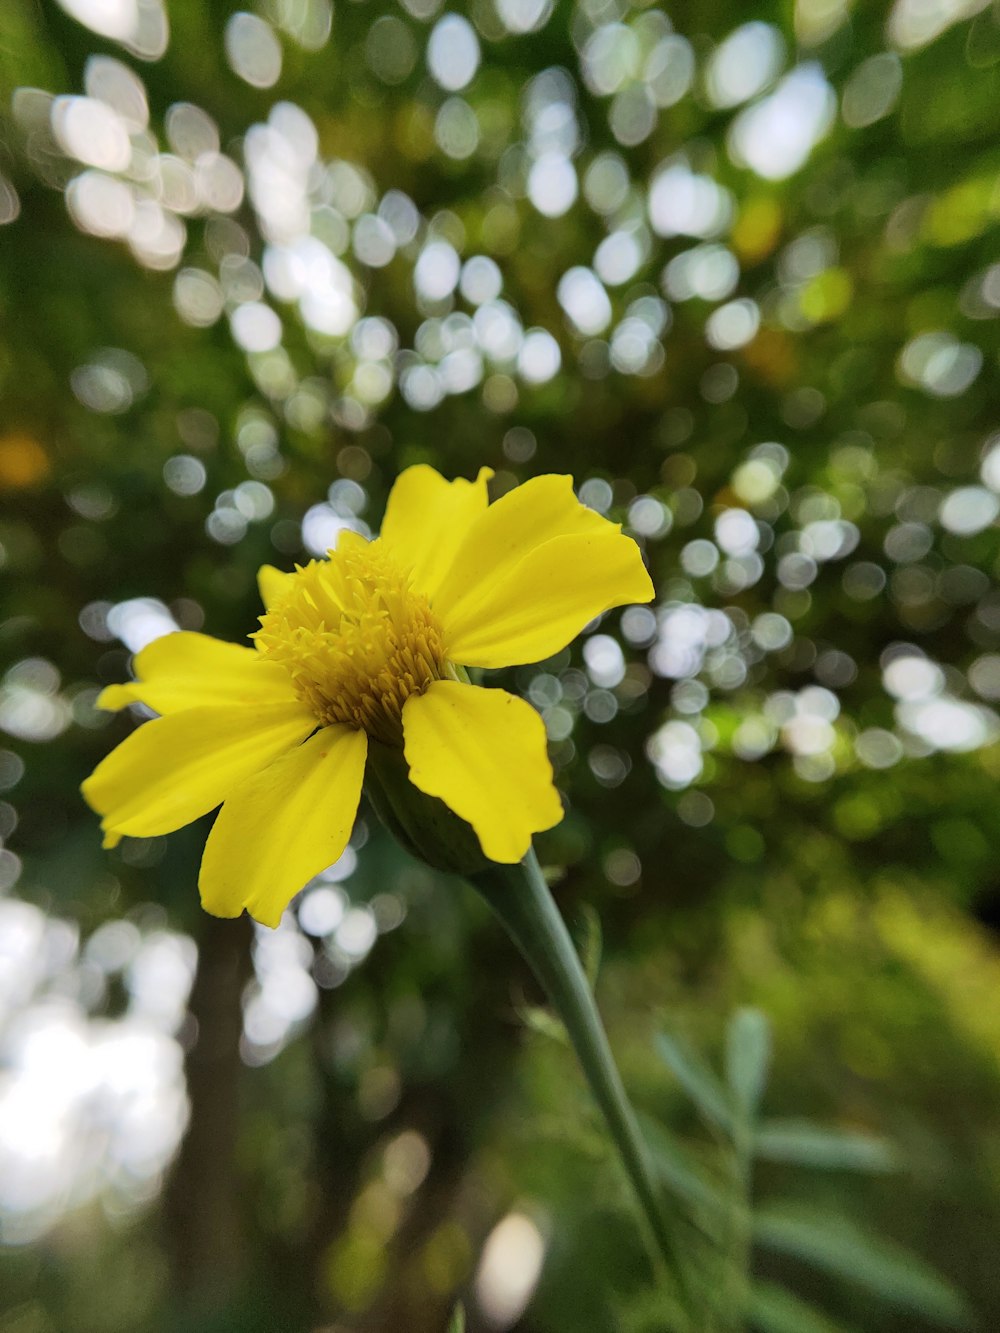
(526, 517)
(426, 519)
(284, 825)
(187, 670)
(483, 752)
(175, 769)
(545, 601)
(271, 584)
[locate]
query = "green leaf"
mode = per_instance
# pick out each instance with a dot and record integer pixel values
(543, 1022)
(697, 1080)
(775, 1310)
(678, 1170)
(457, 1323)
(837, 1246)
(806, 1144)
(748, 1057)
(654, 1311)
(590, 943)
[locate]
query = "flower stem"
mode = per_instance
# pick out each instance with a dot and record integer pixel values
(520, 897)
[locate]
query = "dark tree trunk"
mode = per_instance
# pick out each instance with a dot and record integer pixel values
(204, 1230)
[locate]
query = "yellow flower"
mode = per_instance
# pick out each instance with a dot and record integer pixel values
(368, 648)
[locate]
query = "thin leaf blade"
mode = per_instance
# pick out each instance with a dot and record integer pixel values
(836, 1246)
(748, 1058)
(697, 1080)
(773, 1309)
(543, 1022)
(590, 944)
(802, 1143)
(678, 1170)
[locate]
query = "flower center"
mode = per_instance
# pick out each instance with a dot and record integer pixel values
(356, 638)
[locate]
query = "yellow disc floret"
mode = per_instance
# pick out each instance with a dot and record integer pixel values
(356, 638)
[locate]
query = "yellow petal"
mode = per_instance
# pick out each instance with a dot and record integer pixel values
(526, 517)
(175, 769)
(284, 825)
(271, 584)
(193, 671)
(113, 697)
(426, 519)
(483, 753)
(545, 601)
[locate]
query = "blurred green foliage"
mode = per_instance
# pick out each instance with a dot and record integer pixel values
(739, 278)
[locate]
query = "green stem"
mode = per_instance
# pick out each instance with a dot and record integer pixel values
(521, 899)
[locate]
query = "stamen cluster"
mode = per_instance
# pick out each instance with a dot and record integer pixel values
(356, 638)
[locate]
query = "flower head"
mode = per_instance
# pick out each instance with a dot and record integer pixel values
(364, 653)
(356, 638)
